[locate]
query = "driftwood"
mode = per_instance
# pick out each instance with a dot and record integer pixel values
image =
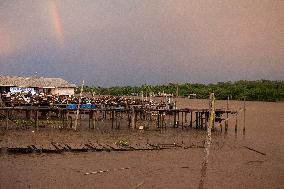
(138, 185)
(255, 150)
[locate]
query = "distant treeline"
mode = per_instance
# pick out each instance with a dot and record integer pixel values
(260, 90)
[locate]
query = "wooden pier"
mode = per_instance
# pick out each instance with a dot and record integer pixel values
(132, 117)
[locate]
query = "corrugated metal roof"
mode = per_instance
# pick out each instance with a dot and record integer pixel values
(33, 81)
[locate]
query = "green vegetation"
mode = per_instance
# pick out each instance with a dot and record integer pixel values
(122, 142)
(261, 90)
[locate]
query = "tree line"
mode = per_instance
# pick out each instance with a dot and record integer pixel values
(260, 90)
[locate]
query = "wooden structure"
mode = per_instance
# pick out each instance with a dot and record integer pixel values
(134, 117)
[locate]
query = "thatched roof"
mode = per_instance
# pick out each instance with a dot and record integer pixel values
(40, 82)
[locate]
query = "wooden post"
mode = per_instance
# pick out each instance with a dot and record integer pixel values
(36, 119)
(67, 119)
(112, 118)
(148, 119)
(178, 121)
(201, 119)
(71, 122)
(214, 116)
(163, 120)
(94, 119)
(191, 119)
(128, 119)
(118, 127)
(226, 122)
(133, 118)
(244, 128)
(7, 119)
(207, 143)
(63, 118)
(28, 114)
(78, 108)
(206, 120)
(175, 118)
(90, 117)
(236, 125)
(196, 119)
(181, 120)
(158, 120)
(115, 119)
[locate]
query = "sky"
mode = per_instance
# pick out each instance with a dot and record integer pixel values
(134, 42)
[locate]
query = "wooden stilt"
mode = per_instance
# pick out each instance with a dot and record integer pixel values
(94, 119)
(175, 118)
(112, 118)
(62, 118)
(119, 120)
(191, 119)
(28, 114)
(206, 120)
(196, 119)
(236, 125)
(178, 121)
(182, 120)
(67, 119)
(90, 118)
(158, 120)
(226, 122)
(36, 119)
(7, 119)
(133, 118)
(71, 122)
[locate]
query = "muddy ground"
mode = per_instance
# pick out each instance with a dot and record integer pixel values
(231, 165)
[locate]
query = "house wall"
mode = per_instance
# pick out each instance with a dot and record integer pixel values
(63, 91)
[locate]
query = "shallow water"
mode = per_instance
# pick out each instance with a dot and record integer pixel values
(231, 165)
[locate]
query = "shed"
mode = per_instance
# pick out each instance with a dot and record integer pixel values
(54, 86)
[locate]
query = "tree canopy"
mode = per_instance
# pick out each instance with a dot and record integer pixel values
(260, 90)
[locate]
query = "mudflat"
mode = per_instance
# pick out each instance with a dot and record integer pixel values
(254, 159)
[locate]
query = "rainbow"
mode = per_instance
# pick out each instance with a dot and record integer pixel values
(56, 21)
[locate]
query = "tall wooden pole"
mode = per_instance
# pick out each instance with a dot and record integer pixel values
(78, 108)
(236, 125)
(208, 141)
(244, 127)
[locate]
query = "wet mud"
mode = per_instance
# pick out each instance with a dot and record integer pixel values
(237, 160)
